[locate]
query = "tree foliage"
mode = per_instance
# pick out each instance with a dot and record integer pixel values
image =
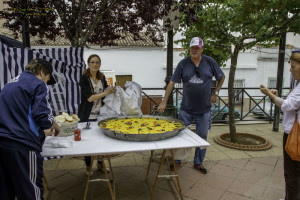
(231, 26)
(222, 23)
(98, 21)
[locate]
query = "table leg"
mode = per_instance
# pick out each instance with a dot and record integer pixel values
(176, 184)
(89, 177)
(112, 192)
(175, 170)
(110, 168)
(148, 169)
(158, 172)
(168, 163)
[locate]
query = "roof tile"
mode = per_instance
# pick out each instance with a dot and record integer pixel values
(127, 41)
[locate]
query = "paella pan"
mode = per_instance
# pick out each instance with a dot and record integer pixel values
(141, 128)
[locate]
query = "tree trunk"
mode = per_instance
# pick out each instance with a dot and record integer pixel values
(233, 64)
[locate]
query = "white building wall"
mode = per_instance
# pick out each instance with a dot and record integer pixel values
(256, 67)
(146, 65)
(293, 39)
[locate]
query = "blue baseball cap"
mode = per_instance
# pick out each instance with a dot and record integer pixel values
(48, 66)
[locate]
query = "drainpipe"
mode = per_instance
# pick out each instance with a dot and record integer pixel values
(169, 63)
(25, 24)
(279, 81)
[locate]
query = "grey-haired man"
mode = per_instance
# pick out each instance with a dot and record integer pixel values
(196, 73)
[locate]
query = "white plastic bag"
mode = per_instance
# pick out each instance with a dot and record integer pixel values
(131, 100)
(112, 104)
(122, 103)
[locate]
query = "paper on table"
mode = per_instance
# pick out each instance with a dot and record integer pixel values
(55, 142)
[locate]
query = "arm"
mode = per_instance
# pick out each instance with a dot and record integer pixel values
(95, 97)
(86, 94)
(213, 97)
(163, 104)
(220, 83)
(54, 130)
(40, 108)
(41, 112)
(273, 94)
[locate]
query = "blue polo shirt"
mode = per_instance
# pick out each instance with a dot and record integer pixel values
(196, 90)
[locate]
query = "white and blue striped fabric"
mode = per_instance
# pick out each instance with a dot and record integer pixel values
(68, 65)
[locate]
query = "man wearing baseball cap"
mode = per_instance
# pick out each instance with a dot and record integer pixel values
(196, 73)
(25, 119)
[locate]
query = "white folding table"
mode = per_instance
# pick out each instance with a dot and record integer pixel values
(94, 142)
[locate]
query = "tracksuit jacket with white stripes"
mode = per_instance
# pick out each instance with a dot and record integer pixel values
(25, 111)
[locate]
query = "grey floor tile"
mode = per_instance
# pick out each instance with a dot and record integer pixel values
(273, 193)
(259, 167)
(233, 196)
(216, 181)
(55, 195)
(224, 170)
(238, 163)
(247, 189)
(253, 177)
(203, 192)
(266, 160)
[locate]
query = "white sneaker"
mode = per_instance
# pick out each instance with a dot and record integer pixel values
(87, 169)
(100, 167)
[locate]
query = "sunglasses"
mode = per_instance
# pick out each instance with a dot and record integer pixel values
(197, 72)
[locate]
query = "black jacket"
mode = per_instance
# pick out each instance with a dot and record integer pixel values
(87, 90)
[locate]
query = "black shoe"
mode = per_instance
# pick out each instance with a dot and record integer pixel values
(201, 169)
(177, 166)
(100, 167)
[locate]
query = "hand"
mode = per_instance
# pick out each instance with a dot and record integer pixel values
(110, 90)
(213, 98)
(56, 129)
(161, 108)
(265, 90)
(48, 132)
(274, 91)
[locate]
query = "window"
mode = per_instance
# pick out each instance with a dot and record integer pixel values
(239, 83)
(122, 79)
(272, 82)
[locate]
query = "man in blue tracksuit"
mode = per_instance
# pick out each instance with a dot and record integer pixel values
(25, 119)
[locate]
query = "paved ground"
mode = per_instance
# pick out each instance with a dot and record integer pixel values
(232, 174)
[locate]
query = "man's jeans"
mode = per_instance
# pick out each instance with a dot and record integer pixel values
(202, 124)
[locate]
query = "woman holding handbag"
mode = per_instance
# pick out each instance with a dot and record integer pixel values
(291, 119)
